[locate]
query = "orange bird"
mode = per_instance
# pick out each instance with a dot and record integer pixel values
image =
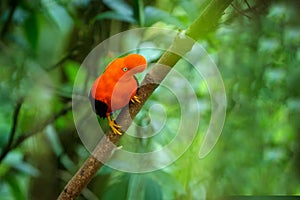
(116, 87)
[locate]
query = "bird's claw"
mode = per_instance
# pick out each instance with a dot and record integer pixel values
(135, 99)
(116, 129)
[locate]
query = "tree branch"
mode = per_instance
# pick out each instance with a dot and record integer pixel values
(204, 24)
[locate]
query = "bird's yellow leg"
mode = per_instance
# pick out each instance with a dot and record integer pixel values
(135, 99)
(114, 127)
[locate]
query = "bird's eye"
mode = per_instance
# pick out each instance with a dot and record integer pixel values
(125, 69)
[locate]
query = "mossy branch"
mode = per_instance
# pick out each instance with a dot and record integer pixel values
(205, 23)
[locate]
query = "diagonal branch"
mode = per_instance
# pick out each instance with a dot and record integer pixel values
(205, 23)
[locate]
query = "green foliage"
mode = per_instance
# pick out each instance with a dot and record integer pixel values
(31, 30)
(15, 173)
(138, 14)
(120, 11)
(256, 50)
(131, 186)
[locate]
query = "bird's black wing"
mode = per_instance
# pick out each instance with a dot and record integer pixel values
(137, 82)
(99, 107)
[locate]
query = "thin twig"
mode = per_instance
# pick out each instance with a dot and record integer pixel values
(248, 5)
(41, 127)
(61, 61)
(38, 129)
(5, 27)
(13, 129)
(240, 11)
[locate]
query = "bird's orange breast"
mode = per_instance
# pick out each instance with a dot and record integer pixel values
(117, 85)
(116, 94)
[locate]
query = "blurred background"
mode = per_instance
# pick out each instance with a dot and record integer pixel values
(256, 47)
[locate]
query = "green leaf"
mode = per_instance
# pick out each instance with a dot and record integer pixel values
(119, 189)
(152, 190)
(15, 160)
(54, 140)
(119, 6)
(27, 168)
(136, 187)
(59, 15)
(71, 70)
(15, 187)
(169, 190)
(153, 15)
(190, 8)
(115, 16)
(31, 29)
(138, 12)
(52, 136)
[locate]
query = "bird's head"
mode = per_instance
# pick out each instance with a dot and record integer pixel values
(126, 67)
(134, 63)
